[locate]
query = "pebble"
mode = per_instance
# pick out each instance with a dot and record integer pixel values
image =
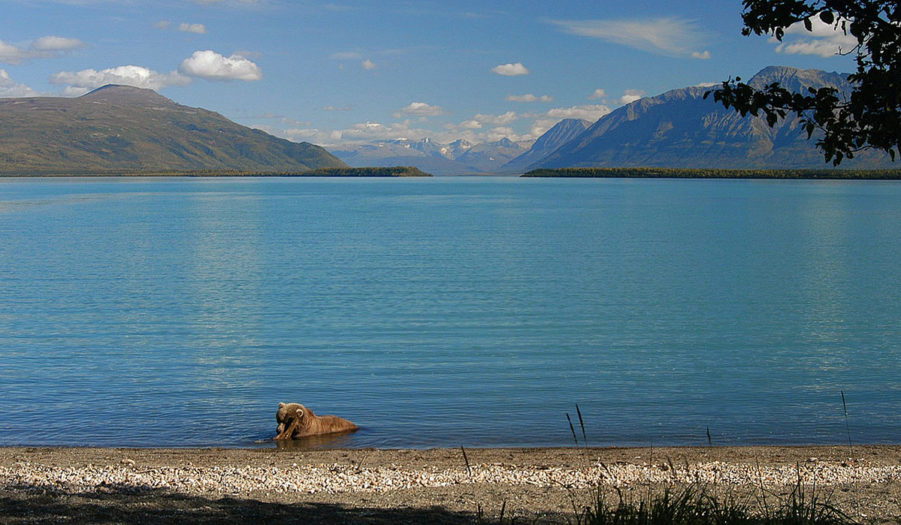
(336, 478)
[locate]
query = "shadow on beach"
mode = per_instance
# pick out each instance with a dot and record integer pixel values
(125, 505)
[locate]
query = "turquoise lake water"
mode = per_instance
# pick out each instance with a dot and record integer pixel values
(450, 311)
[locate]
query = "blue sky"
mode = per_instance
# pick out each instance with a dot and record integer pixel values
(334, 72)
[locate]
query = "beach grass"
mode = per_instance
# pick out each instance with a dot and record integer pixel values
(699, 504)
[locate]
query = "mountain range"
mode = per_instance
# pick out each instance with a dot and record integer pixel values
(677, 129)
(456, 158)
(682, 129)
(137, 130)
(462, 157)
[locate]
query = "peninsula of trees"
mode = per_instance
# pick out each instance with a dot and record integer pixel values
(394, 171)
(707, 173)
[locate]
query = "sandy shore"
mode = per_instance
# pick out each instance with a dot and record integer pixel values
(414, 486)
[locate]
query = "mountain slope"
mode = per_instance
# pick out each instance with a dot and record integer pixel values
(560, 134)
(680, 129)
(132, 129)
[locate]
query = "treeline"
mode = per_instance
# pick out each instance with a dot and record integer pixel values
(394, 171)
(709, 173)
(397, 171)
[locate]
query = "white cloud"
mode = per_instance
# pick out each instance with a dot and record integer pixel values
(670, 36)
(510, 70)
(703, 55)
(590, 112)
(548, 119)
(44, 47)
(631, 95)
(480, 128)
(420, 109)
(337, 108)
(501, 132)
(597, 94)
(80, 82)
(819, 29)
(213, 66)
(825, 40)
(11, 54)
(10, 89)
(372, 131)
(197, 29)
(369, 65)
(540, 126)
(484, 128)
(530, 98)
(496, 120)
(367, 132)
(184, 27)
(56, 43)
(479, 134)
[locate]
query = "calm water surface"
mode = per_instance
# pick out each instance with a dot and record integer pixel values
(448, 312)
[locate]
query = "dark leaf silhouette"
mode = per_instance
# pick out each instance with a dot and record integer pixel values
(870, 117)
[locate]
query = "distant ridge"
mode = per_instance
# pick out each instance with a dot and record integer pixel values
(457, 158)
(490, 156)
(681, 129)
(138, 130)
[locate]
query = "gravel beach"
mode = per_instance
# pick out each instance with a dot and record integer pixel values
(93, 485)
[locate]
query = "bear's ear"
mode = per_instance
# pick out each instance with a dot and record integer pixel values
(280, 405)
(299, 413)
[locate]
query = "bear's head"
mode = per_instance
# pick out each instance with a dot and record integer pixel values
(287, 412)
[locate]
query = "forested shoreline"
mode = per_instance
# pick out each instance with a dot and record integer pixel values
(711, 173)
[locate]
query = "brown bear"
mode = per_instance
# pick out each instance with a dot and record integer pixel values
(297, 421)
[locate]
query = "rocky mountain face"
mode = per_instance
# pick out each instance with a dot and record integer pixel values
(681, 129)
(560, 134)
(132, 129)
